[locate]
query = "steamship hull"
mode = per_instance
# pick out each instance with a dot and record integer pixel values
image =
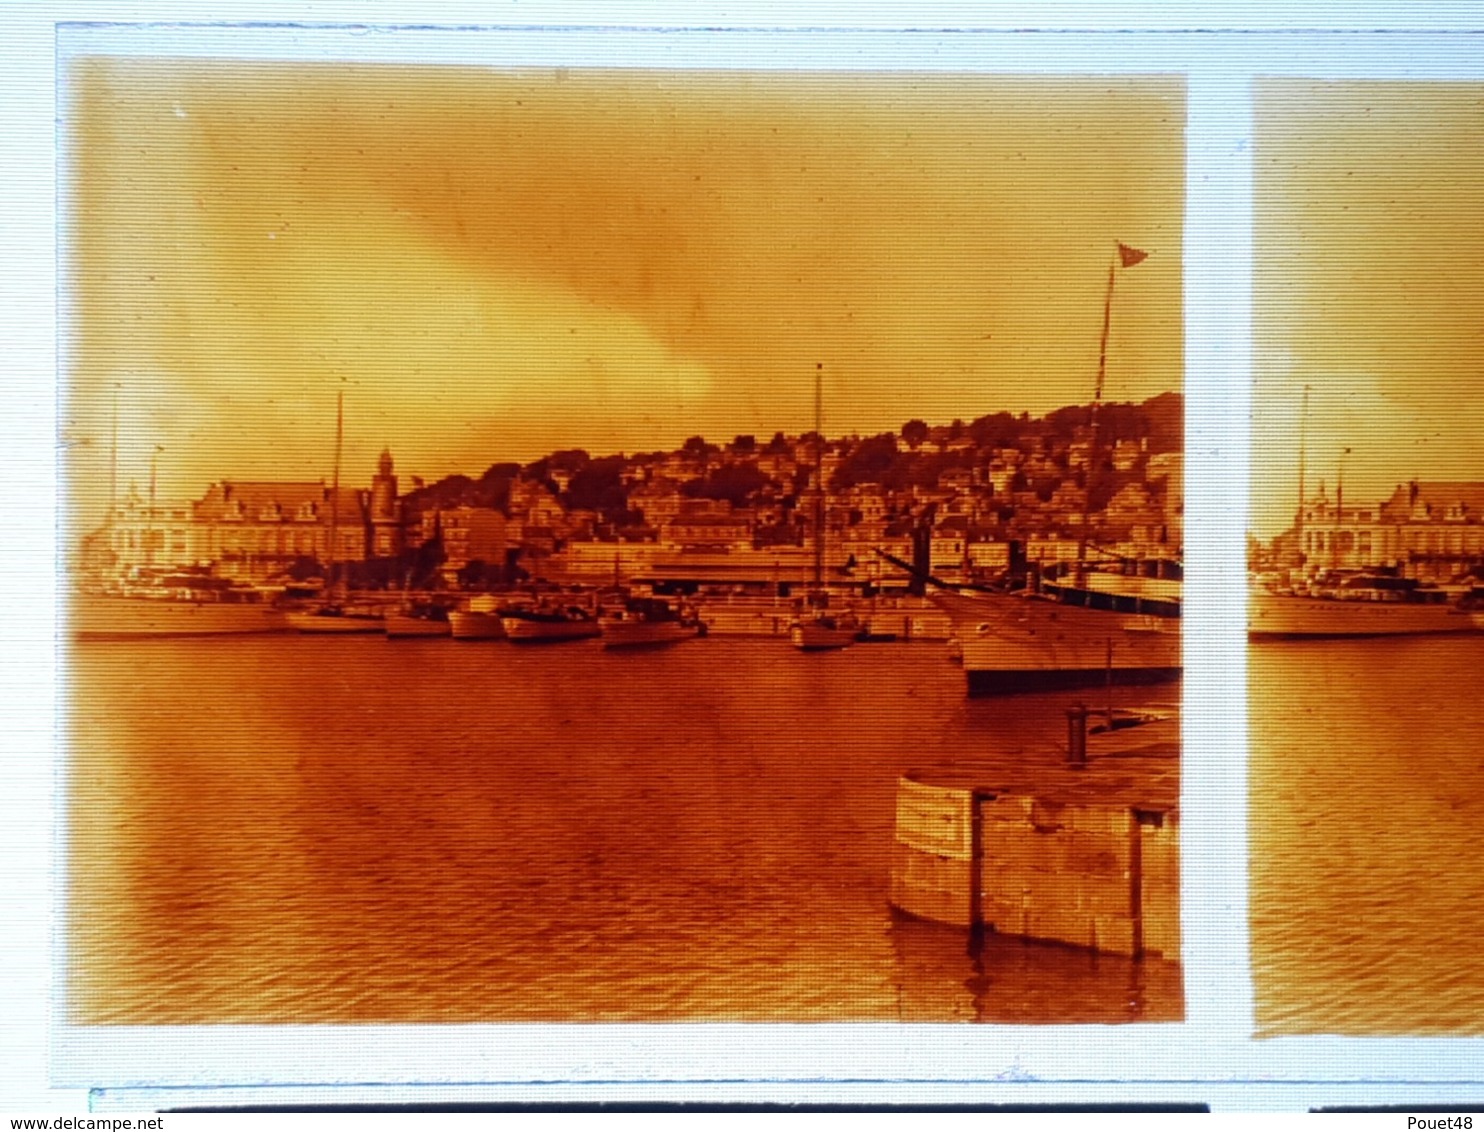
(637, 633)
(469, 625)
(1031, 642)
(815, 636)
(545, 630)
(99, 617)
(1284, 615)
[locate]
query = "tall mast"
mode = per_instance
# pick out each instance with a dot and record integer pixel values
(1298, 521)
(113, 458)
(1126, 256)
(335, 483)
(149, 527)
(1097, 401)
(1097, 392)
(114, 557)
(1334, 538)
(818, 475)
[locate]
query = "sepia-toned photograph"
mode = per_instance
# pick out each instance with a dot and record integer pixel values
(1366, 558)
(585, 545)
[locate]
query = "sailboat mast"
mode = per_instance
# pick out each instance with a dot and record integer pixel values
(114, 556)
(818, 475)
(1334, 538)
(113, 458)
(1097, 392)
(335, 484)
(1298, 521)
(1097, 401)
(149, 526)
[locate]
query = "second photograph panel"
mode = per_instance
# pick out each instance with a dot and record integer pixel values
(1366, 660)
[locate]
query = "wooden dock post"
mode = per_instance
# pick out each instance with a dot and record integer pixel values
(1077, 735)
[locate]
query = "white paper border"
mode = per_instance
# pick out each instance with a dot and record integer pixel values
(1213, 1045)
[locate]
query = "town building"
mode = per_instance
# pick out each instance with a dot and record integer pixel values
(256, 530)
(605, 561)
(468, 534)
(1433, 531)
(139, 534)
(707, 524)
(947, 549)
(1126, 454)
(385, 510)
(536, 515)
(253, 530)
(659, 500)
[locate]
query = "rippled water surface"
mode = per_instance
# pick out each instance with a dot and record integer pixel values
(1367, 828)
(286, 828)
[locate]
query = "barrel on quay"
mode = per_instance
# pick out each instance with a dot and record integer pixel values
(1087, 854)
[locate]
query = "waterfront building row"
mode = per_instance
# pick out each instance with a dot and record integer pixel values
(261, 531)
(1432, 531)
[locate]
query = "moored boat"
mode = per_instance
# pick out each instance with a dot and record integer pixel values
(1473, 603)
(337, 614)
(176, 605)
(1062, 636)
(1362, 605)
(548, 622)
(478, 620)
(418, 619)
(649, 621)
(818, 630)
(335, 617)
(1093, 627)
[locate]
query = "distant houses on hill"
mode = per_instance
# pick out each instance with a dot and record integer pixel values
(967, 491)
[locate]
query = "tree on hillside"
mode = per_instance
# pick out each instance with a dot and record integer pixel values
(868, 462)
(736, 483)
(924, 470)
(1122, 421)
(451, 491)
(1166, 416)
(569, 459)
(1106, 485)
(914, 432)
(1063, 423)
(539, 471)
(995, 430)
(599, 487)
(493, 488)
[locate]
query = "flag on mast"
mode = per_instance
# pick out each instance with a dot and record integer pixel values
(1129, 256)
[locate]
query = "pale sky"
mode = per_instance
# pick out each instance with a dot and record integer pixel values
(494, 264)
(1368, 286)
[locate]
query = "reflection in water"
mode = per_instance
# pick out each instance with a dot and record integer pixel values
(348, 829)
(949, 974)
(1367, 826)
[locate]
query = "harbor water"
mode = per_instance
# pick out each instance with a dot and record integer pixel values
(291, 828)
(1367, 829)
